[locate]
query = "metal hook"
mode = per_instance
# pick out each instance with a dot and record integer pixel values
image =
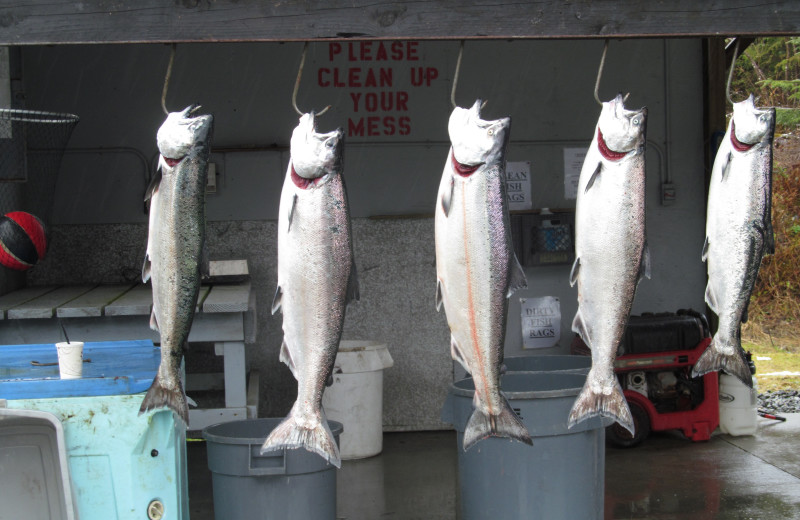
(455, 76)
(600, 74)
(297, 84)
(730, 74)
(166, 80)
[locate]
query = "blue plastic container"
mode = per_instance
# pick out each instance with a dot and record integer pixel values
(122, 465)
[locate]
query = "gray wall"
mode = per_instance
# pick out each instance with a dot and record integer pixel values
(99, 223)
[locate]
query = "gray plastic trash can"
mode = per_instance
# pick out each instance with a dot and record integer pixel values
(556, 363)
(274, 486)
(561, 476)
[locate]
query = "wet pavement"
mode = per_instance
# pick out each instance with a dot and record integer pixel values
(665, 478)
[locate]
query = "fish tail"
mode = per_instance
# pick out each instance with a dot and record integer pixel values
(159, 395)
(592, 403)
(733, 362)
(505, 424)
(291, 434)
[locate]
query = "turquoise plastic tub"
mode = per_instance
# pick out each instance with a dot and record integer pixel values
(122, 465)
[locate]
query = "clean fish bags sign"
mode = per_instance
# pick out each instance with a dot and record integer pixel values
(541, 322)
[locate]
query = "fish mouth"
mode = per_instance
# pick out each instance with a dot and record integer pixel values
(737, 144)
(607, 152)
(464, 170)
(302, 182)
(172, 162)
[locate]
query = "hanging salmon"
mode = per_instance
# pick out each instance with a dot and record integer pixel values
(175, 239)
(611, 254)
(316, 280)
(738, 232)
(476, 267)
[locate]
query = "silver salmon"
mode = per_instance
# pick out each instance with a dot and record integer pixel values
(316, 280)
(738, 232)
(174, 247)
(476, 267)
(611, 253)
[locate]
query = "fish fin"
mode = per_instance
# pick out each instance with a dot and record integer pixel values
(735, 363)
(579, 327)
(518, 279)
(704, 254)
(447, 197)
(439, 295)
(353, 293)
(644, 268)
(455, 353)
(291, 212)
(594, 177)
(769, 236)
(277, 300)
(505, 424)
(292, 434)
(711, 298)
(153, 186)
(146, 268)
(286, 357)
(591, 403)
(726, 166)
(159, 396)
(154, 320)
(573, 274)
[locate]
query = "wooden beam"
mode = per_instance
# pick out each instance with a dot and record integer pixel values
(143, 21)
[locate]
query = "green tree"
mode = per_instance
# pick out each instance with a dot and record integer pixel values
(770, 69)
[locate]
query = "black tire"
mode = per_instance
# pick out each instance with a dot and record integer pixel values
(622, 438)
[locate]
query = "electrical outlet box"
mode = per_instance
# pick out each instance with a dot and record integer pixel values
(211, 183)
(667, 194)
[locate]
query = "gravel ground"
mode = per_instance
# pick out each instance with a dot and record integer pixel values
(780, 401)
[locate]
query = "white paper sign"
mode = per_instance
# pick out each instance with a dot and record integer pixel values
(518, 185)
(541, 322)
(573, 162)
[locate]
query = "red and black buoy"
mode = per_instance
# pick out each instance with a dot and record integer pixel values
(23, 240)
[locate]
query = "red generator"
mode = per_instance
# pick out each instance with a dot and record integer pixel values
(654, 367)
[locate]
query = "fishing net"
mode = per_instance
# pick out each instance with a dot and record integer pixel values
(31, 147)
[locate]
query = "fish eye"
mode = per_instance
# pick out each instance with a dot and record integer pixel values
(329, 143)
(635, 121)
(490, 131)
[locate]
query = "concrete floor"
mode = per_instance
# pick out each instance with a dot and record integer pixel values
(665, 478)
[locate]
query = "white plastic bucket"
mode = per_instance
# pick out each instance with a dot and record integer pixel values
(738, 406)
(356, 397)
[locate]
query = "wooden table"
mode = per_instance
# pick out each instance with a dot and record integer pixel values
(225, 316)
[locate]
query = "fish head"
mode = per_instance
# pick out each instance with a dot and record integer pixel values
(620, 130)
(182, 132)
(750, 125)
(315, 154)
(475, 140)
